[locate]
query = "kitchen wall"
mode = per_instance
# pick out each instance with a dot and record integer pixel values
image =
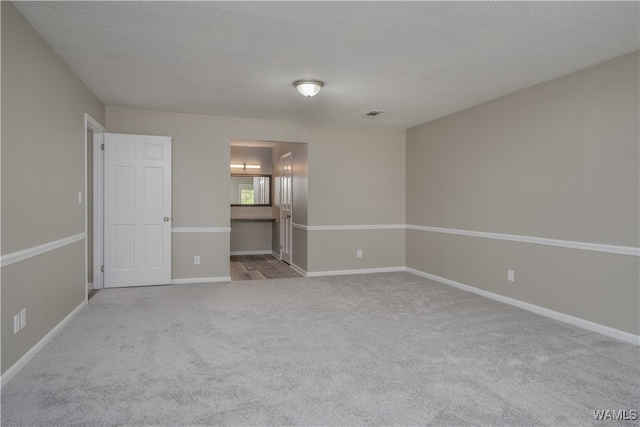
(557, 163)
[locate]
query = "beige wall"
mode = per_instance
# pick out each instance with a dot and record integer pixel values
(208, 246)
(43, 158)
(559, 160)
(380, 249)
(355, 176)
(251, 156)
(251, 236)
(251, 211)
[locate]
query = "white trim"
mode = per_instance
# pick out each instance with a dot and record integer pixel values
(16, 367)
(98, 210)
(200, 280)
(298, 270)
(276, 255)
(357, 271)
(91, 124)
(15, 257)
(355, 227)
(555, 315)
(265, 252)
(201, 230)
(90, 286)
(281, 216)
(569, 244)
(593, 247)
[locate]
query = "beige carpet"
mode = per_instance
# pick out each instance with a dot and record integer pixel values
(380, 349)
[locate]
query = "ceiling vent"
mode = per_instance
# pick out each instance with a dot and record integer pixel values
(373, 113)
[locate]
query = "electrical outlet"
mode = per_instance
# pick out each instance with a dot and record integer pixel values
(359, 253)
(196, 260)
(16, 323)
(511, 276)
(23, 318)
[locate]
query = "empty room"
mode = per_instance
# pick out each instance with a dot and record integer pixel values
(320, 213)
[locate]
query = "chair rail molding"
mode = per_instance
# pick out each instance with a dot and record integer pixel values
(25, 254)
(201, 230)
(585, 246)
(355, 227)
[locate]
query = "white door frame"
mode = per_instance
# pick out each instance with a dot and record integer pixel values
(91, 124)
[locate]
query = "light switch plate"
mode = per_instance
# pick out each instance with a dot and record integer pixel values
(16, 323)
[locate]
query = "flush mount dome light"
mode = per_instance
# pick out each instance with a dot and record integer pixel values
(308, 87)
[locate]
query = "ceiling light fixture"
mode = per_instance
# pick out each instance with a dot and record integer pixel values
(308, 87)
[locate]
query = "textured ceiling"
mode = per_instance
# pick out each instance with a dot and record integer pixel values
(415, 60)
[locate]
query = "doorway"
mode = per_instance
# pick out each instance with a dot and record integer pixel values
(265, 236)
(94, 133)
(131, 209)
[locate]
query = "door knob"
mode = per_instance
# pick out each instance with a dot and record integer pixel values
(166, 219)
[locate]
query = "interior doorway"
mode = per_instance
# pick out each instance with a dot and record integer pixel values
(137, 210)
(147, 161)
(94, 134)
(268, 239)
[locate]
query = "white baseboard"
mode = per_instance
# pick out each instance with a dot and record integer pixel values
(264, 252)
(200, 280)
(298, 270)
(576, 321)
(358, 271)
(16, 367)
(276, 255)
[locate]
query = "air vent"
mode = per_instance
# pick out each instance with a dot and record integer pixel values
(373, 113)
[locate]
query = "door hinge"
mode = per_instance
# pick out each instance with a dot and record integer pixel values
(102, 147)
(102, 268)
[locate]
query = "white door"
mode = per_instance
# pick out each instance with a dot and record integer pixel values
(286, 178)
(137, 210)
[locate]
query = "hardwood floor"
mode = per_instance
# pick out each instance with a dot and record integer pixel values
(255, 267)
